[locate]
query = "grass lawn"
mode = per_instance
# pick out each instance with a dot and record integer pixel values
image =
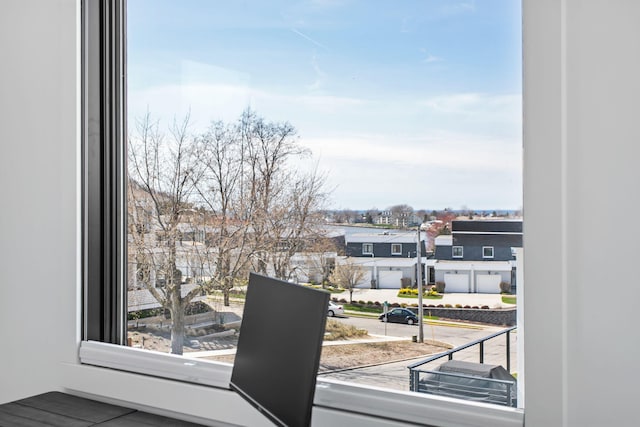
(362, 309)
(423, 297)
(508, 299)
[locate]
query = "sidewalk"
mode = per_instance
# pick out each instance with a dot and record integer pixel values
(391, 296)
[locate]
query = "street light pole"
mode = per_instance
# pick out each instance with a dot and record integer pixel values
(419, 278)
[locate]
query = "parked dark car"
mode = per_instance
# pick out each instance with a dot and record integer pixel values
(400, 315)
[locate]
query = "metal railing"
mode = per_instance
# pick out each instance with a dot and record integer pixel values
(468, 387)
(427, 382)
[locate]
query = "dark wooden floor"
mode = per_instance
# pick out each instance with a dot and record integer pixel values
(63, 410)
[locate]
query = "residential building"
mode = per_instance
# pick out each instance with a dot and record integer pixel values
(389, 257)
(398, 219)
(478, 256)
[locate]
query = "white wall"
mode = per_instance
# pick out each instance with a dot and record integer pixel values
(581, 132)
(38, 193)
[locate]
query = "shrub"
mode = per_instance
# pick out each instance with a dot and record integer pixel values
(337, 330)
(395, 305)
(448, 306)
(440, 306)
(342, 300)
(440, 287)
(505, 287)
(408, 291)
(485, 307)
(475, 306)
(197, 307)
(467, 306)
(369, 302)
(458, 305)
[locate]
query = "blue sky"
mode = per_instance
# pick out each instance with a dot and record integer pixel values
(415, 102)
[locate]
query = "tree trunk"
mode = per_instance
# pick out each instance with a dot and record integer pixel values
(350, 296)
(177, 326)
(225, 293)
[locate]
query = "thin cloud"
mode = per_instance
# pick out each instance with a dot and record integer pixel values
(306, 37)
(475, 103)
(459, 8)
(444, 150)
(320, 75)
(209, 101)
(431, 58)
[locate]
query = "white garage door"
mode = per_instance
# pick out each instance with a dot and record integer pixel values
(456, 283)
(389, 279)
(488, 283)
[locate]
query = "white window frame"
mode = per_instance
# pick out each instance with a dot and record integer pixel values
(484, 248)
(399, 252)
(365, 251)
(453, 250)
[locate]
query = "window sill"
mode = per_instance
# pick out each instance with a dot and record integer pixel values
(398, 406)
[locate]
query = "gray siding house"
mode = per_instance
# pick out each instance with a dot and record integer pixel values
(388, 257)
(478, 255)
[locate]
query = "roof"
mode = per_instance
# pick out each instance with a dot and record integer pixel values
(475, 265)
(383, 262)
(444, 240)
(386, 237)
(487, 226)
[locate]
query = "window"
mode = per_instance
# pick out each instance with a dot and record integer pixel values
(158, 247)
(487, 252)
(456, 252)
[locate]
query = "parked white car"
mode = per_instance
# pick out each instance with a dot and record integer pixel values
(335, 309)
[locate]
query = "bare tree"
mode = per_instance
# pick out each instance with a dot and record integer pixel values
(263, 210)
(223, 202)
(228, 198)
(319, 259)
(163, 172)
(401, 215)
(294, 221)
(347, 275)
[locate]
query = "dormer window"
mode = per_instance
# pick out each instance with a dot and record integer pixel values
(487, 252)
(456, 252)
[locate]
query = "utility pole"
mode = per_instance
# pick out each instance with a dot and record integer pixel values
(420, 290)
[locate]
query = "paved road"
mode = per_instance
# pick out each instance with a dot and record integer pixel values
(454, 335)
(396, 375)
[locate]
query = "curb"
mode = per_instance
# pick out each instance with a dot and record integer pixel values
(430, 322)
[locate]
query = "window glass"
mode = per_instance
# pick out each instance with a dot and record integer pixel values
(457, 251)
(487, 251)
(265, 136)
(367, 248)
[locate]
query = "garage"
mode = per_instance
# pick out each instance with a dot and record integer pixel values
(389, 279)
(456, 283)
(488, 283)
(366, 281)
